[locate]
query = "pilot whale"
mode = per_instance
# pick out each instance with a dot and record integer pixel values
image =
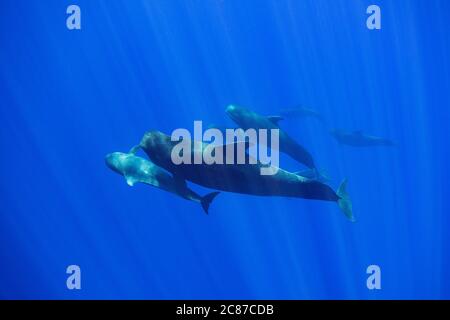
(302, 112)
(247, 119)
(136, 169)
(359, 139)
(241, 178)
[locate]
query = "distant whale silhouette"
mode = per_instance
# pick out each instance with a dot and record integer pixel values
(241, 178)
(247, 119)
(359, 139)
(302, 112)
(136, 169)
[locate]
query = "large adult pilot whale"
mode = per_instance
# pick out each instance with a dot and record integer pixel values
(247, 119)
(359, 139)
(136, 169)
(240, 178)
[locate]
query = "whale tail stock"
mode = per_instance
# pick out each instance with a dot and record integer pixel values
(344, 202)
(206, 200)
(299, 153)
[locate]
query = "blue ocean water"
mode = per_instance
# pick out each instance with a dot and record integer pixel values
(69, 97)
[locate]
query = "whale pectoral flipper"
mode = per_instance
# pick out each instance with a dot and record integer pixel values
(344, 202)
(206, 200)
(135, 149)
(275, 119)
(130, 180)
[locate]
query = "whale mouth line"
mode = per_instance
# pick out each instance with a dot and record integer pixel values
(232, 115)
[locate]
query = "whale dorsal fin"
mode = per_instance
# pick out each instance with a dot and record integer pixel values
(135, 149)
(275, 119)
(231, 158)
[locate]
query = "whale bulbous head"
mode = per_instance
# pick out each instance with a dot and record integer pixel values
(115, 161)
(238, 114)
(157, 146)
(155, 139)
(231, 108)
(233, 111)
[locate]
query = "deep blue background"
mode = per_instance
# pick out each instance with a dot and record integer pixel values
(70, 97)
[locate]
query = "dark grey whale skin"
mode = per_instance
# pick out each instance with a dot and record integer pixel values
(302, 112)
(238, 178)
(247, 119)
(136, 169)
(359, 139)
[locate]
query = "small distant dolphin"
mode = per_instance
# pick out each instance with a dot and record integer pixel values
(136, 169)
(241, 178)
(247, 119)
(302, 112)
(359, 139)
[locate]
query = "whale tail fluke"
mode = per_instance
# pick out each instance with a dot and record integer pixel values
(344, 202)
(206, 200)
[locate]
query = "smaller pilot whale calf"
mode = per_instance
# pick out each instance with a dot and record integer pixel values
(359, 139)
(136, 169)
